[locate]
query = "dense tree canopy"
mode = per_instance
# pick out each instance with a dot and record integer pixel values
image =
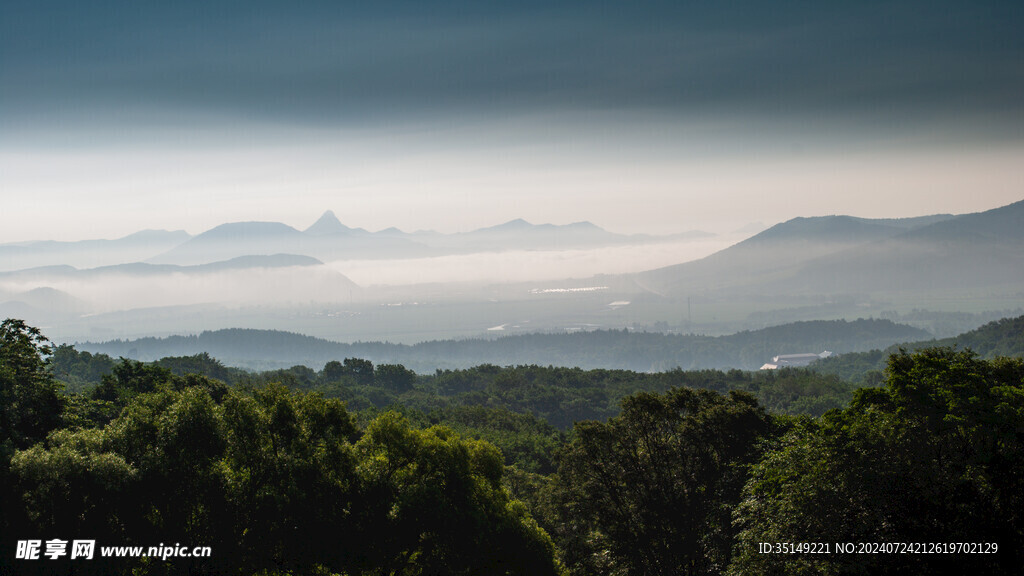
(270, 478)
(651, 491)
(30, 405)
(936, 456)
(508, 470)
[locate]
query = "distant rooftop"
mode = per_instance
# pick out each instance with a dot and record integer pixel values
(794, 360)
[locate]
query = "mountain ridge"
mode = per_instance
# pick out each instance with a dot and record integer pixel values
(597, 349)
(843, 253)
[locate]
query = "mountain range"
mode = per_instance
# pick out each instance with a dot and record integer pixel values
(270, 275)
(979, 253)
(90, 253)
(327, 240)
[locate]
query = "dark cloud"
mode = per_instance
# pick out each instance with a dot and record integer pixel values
(325, 62)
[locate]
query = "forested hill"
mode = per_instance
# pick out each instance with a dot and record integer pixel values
(615, 349)
(999, 338)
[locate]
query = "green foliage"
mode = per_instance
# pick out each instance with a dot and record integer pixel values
(608, 349)
(354, 370)
(562, 396)
(30, 405)
(130, 378)
(936, 456)
(439, 506)
(272, 479)
(201, 364)
(79, 370)
(394, 377)
(525, 441)
(289, 474)
(1000, 338)
(790, 391)
(72, 482)
(651, 491)
(663, 473)
(333, 371)
(297, 378)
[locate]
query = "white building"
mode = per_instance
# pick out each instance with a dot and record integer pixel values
(794, 360)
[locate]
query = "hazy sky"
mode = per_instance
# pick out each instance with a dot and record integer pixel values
(648, 116)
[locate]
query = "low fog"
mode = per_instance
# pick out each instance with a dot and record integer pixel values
(104, 290)
(99, 293)
(527, 265)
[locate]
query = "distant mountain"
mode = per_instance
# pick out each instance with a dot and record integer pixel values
(775, 253)
(45, 299)
(519, 234)
(327, 239)
(831, 230)
(146, 269)
(522, 235)
(248, 231)
(271, 261)
(90, 253)
(846, 255)
(981, 253)
(329, 225)
(150, 238)
(517, 225)
(44, 305)
(232, 240)
(998, 225)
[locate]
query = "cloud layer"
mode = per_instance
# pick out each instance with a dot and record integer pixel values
(347, 62)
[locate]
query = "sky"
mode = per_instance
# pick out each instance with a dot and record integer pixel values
(659, 117)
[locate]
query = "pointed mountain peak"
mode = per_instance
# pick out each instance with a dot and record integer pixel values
(327, 225)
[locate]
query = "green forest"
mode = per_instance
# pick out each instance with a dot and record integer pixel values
(906, 461)
(626, 349)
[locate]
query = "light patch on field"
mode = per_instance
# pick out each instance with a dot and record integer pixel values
(527, 265)
(567, 290)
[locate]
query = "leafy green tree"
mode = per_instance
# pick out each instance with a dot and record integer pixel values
(30, 407)
(175, 439)
(652, 491)
(30, 402)
(361, 371)
(129, 379)
(152, 475)
(201, 364)
(333, 371)
(290, 480)
(74, 485)
(936, 456)
(79, 370)
(434, 504)
(394, 377)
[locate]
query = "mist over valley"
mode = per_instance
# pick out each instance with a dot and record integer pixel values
(942, 273)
